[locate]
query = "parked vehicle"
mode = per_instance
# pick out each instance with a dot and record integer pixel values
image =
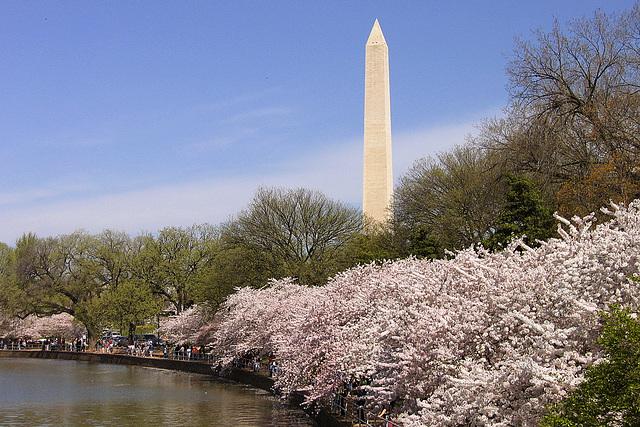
(118, 340)
(121, 341)
(149, 338)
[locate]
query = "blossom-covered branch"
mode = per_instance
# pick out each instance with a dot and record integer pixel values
(483, 338)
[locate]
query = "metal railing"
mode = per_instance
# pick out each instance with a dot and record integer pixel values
(18, 346)
(188, 356)
(356, 414)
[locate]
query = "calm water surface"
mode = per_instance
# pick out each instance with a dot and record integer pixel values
(60, 392)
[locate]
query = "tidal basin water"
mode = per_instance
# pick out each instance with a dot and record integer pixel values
(47, 392)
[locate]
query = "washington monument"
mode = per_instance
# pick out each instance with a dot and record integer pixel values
(378, 173)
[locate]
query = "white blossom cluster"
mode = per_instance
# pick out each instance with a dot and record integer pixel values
(185, 327)
(61, 325)
(479, 339)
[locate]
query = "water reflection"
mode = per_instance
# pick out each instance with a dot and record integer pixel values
(59, 392)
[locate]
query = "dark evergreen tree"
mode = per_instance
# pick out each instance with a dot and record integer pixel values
(524, 214)
(421, 243)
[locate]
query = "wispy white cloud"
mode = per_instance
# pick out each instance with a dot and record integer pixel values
(266, 113)
(50, 191)
(334, 168)
(231, 103)
(411, 146)
(133, 211)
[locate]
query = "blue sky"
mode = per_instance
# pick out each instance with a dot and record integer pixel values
(140, 115)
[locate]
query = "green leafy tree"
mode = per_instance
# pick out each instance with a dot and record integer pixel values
(128, 305)
(110, 255)
(55, 275)
(388, 241)
(421, 243)
(232, 267)
(610, 394)
(449, 202)
(7, 276)
(172, 263)
(375, 242)
(7, 288)
(300, 233)
(524, 214)
(67, 274)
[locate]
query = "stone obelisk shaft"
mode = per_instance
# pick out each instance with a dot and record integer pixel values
(378, 173)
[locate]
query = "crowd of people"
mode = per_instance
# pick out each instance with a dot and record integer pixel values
(146, 348)
(46, 344)
(258, 362)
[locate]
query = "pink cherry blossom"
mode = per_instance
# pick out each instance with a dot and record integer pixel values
(61, 325)
(479, 339)
(185, 327)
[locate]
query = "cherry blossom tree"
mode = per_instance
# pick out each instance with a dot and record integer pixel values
(185, 327)
(10, 326)
(61, 325)
(479, 339)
